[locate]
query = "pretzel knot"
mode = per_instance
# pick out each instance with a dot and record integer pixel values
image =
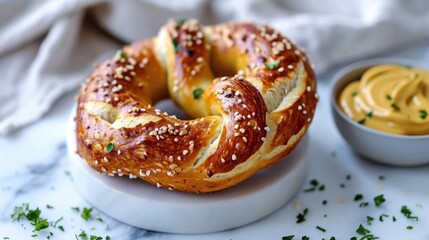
(251, 92)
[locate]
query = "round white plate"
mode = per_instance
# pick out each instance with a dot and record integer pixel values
(142, 205)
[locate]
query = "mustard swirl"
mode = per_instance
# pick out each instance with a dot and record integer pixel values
(389, 98)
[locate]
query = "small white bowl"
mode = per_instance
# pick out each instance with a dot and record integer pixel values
(378, 146)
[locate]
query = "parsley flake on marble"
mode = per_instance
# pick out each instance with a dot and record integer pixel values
(378, 200)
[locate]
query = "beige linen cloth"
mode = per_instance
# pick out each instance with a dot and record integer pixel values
(47, 47)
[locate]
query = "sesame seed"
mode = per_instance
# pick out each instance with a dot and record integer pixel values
(263, 139)
(300, 107)
(242, 130)
(290, 66)
(200, 59)
(103, 169)
(158, 185)
(308, 119)
(236, 126)
(96, 162)
(281, 69)
(267, 129)
(185, 152)
(222, 160)
(193, 72)
(234, 157)
(304, 112)
(244, 139)
(173, 166)
(308, 89)
(105, 159)
(118, 152)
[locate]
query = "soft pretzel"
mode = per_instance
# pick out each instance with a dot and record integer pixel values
(251, 91)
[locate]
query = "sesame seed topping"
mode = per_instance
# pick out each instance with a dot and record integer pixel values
(234, 157)
(200, 59)
(308, 89)
(300, 107)
(281, 69)
(185, 152)
(290, 66)
(222, 160)
(244, 139)
(267, 129)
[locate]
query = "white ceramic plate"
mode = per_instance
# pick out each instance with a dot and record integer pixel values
(140, 204)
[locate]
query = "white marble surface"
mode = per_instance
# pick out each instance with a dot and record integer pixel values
(34, 165)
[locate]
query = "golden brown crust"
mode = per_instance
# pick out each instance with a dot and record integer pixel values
(243, 123)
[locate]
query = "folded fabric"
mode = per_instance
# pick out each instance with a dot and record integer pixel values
(47, 47)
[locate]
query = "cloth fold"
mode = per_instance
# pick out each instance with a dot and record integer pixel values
(47, 47)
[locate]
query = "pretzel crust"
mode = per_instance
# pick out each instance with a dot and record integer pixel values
(242, 122)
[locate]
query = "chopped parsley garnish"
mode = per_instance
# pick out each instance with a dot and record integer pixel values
(176, 45)
(121, 54)
(362, 231)
(49, 206)
(19, 212)
(393, 219)
(290, 237)
(61, 228)
(197, 93)
(394, 106)
(369, 220)
(348, 177)
(324, 202)
(321, 229)
(389, 97)
(56, 222)
(362, 121)
(301, 217)
(409, 227)
(110, 147)
(423, 114)
(378, 200)
(355, 93)
(32, 215)
(381, 177)
(272, 65)
(363, 204)
(86, 213)
(358, 197)
(314, 185)
(382, 216)
(407, 213)
(77, 209)
(305, 238)
(342, 185)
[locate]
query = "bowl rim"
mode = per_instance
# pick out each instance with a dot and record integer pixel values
(367, 63)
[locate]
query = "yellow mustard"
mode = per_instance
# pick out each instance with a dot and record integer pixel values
(389, 98)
